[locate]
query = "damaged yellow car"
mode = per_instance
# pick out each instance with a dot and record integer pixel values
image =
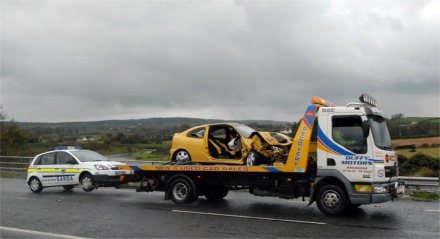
(229, 143)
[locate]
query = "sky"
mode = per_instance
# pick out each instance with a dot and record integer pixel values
(234, 60)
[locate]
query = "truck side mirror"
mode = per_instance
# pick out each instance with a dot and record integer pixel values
(365, 128)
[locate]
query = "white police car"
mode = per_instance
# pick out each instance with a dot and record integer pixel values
(72, 166)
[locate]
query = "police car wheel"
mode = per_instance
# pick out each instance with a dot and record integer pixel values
(87, 183)
(35, 185)
(68, 187)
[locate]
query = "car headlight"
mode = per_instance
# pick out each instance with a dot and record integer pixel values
(380, 189)
(101, 167)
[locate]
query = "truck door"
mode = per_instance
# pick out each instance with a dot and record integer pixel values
(344, 147)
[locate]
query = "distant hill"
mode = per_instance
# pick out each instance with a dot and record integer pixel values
(149, 123)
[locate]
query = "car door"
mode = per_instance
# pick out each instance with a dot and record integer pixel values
(70, 169)
(48, 170)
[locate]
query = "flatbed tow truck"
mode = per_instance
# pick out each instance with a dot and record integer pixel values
(340, 158)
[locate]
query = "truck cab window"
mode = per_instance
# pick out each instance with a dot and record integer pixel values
(347, 131)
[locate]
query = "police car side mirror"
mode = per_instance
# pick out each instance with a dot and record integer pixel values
(72, 161)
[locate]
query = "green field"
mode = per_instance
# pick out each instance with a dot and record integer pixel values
(408, 120)
(433, 152)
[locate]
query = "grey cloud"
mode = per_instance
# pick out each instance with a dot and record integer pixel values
(154, 58)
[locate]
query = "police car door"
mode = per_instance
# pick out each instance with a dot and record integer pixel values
(69, 169)
(47, 169)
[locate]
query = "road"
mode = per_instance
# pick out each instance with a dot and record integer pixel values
(123, 213)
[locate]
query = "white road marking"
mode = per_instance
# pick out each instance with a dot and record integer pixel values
(249, 217)
(40, 233)
(431, 210)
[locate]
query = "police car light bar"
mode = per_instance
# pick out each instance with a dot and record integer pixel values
(367, 99)
(67, 147)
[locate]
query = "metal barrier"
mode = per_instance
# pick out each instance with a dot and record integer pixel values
(420, 183)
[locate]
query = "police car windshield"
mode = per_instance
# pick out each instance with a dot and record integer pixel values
(88, 156)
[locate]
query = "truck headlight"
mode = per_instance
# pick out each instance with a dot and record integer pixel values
(380, 189)
(101, 167)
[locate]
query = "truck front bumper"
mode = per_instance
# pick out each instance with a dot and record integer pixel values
(381, 192)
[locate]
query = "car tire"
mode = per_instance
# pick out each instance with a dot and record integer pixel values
(216, 194)
(68, 187)
(35, 185)
(182, 156)
(252, 159)
(332, 200)
(87, 182)
(182, 192)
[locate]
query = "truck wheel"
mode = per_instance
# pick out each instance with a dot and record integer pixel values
(68, 187)
(182, 156)
(253, 158)
(216, 194)
(87, 182)
(182, 191)
(331, 200)
(35, 185)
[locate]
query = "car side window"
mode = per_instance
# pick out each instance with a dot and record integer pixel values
(197, 133)
(48, 159)
(347, 131)
(38, 160)
(63, 157)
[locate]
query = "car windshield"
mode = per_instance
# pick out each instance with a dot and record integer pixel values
(381, 135)
(244, 130)
(88, 156)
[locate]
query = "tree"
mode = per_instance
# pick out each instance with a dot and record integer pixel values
(12, 137)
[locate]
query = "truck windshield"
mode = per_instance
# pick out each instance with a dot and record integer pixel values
(380, 132)
(88, 156)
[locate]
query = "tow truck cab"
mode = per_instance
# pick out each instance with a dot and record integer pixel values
(353, 150)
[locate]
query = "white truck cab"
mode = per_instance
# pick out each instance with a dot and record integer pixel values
(70, 166)
(354, 146)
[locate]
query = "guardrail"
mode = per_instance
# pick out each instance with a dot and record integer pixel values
(18, 165)
(420, 183)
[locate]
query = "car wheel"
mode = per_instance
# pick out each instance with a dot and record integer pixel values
(68, 187)
(182, 156)
(253, 158)
(182, 191)
(216, 194)
(35, 185)
(87, 183)
(332, 200)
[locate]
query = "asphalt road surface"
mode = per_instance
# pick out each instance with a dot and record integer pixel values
(123, 213)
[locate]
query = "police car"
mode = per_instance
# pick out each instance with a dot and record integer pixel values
(71, 166)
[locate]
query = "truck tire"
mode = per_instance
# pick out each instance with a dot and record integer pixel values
(216, 194)
(332, 200)
(182, 191)
(252, 159)
(87, 182)
(35, 185)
